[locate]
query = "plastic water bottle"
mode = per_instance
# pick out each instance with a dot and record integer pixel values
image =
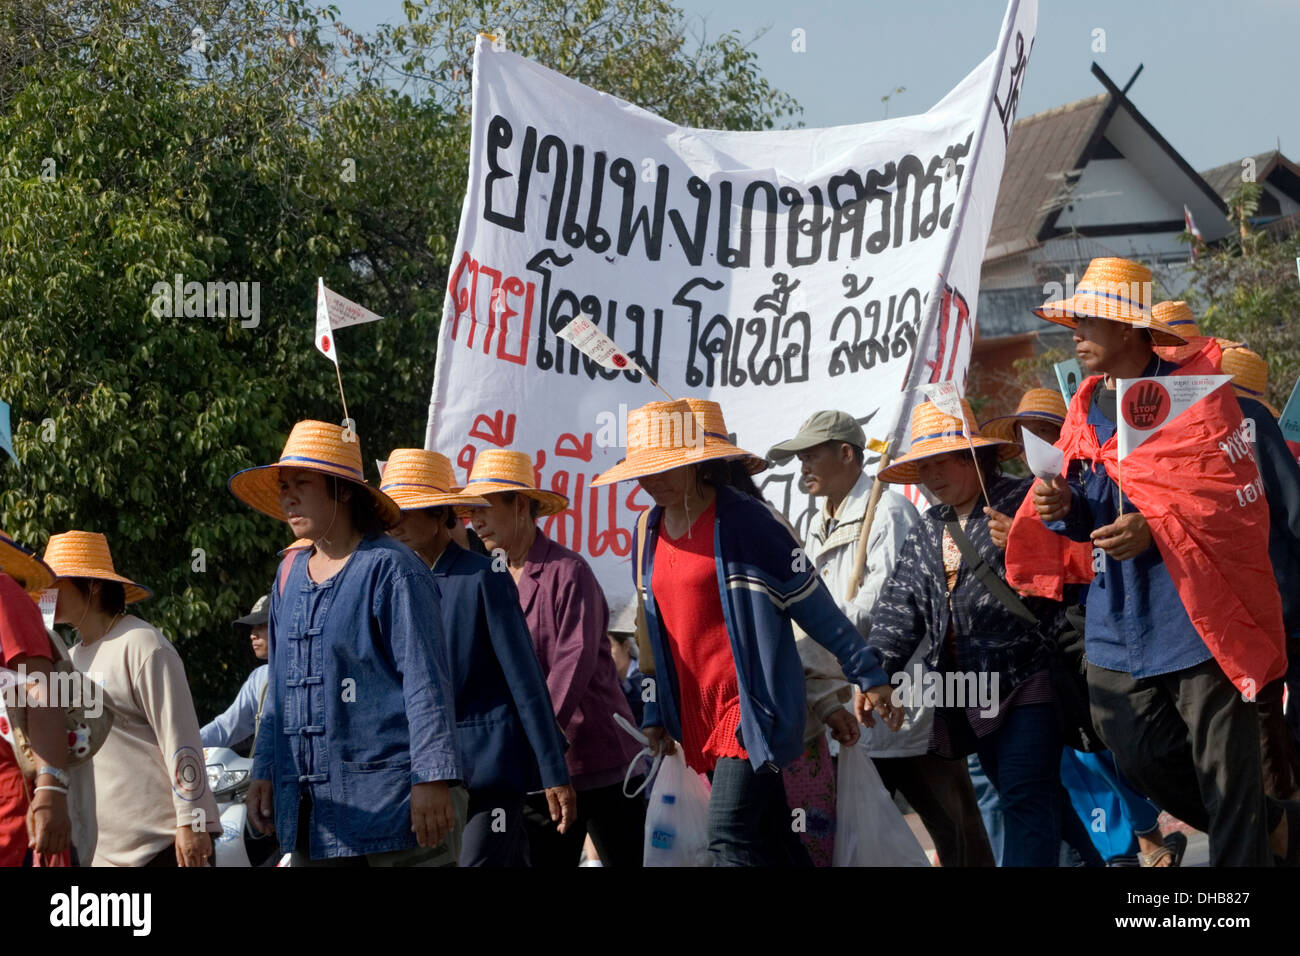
(662, 837)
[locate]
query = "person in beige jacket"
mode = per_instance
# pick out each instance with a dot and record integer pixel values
(153, 805)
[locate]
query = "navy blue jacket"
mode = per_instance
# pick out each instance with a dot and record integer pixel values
(765, 584)
(1136, 621)
(915, 603)
(1281, 477)
(505, 723)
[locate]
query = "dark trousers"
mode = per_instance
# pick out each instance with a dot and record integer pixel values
(616, 824)
(940, 792)
(1022, 759)
(1189, 743)
(749, 819)
(1277, 751)
(495, 833)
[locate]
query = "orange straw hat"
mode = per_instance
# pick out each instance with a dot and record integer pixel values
(416, 478)
(662, 436)
(84, 554)
(312, 446)
(499, 470)
(934, 433)
(32, 574)
(1044, 404)
(709, 416)
(1118, 290)
(1249, 372)
(1178, 316)
(298, 545)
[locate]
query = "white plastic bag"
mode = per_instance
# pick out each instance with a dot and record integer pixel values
(677, 820)
(869, 830)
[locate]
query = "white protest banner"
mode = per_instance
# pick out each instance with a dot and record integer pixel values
(335, 312)
(1148, 404)
(775, 272)
(49, 603)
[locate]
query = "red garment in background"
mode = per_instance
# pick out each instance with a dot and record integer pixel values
(1213, 539)
(21, 633)
(685, 583)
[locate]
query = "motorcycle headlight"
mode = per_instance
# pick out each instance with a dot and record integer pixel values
(222, 780)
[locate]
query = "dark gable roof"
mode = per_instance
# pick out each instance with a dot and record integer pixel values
(1224, 179)
(1042, 146)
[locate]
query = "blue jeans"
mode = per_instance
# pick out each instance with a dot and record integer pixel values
(1022, 759)
(749, 819)
(990, 808)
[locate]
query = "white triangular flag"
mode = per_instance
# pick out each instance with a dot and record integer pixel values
(1146, 405)
(947, 399)
(49, 604)
(335, 312)
(583, 335)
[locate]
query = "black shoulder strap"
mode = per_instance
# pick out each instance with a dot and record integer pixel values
(990, 578)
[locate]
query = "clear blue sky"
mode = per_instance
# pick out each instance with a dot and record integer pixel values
(1219, 80)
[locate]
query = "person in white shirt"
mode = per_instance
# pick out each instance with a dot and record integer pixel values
(240, 719)
(831, 446)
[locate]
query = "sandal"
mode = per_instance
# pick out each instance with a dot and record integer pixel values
(1175, 846)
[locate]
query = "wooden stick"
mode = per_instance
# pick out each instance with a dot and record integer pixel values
(860, 558)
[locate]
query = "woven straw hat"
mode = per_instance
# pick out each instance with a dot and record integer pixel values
(662, 436)
(498, 470)
(313, 446)
(1118, 290)
(934, 433)
(416, 478)
(709, 415)
(298, 545)
(85, 554)
(1044, 404)
(1249, 372)
(32, 574)
(1178, 316)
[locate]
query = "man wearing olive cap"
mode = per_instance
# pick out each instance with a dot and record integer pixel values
(830, 448)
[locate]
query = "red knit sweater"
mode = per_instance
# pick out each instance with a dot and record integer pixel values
(686, 594)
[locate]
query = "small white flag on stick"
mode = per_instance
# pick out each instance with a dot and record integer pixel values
(584, 336)
(947, 399)
(335, 312)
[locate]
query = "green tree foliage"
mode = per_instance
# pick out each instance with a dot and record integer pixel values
(252, 141)
(1247, 289)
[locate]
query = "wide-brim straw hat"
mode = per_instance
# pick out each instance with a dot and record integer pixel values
(298, 545)
(662, 436)
(1041, 404)
(1249, 372)
(1178, 315)
(32, 574)
(934, 433)
(85, 554)
(498, 470)
(312, 446)
(709, 415)
(416, 478)
(1118, 290)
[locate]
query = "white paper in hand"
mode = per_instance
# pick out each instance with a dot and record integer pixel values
(1046, 461)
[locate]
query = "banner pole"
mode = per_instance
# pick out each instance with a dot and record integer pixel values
(864, 535)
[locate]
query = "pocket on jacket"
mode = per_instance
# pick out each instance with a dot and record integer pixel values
(376, 796)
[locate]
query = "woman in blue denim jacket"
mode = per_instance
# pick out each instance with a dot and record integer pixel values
(357, 760)
(990, 679)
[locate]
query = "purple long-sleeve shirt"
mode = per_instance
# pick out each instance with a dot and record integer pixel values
(567, 617)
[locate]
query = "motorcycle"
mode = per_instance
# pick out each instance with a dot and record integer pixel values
(229, 776)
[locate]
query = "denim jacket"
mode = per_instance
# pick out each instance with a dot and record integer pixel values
(360, 705)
